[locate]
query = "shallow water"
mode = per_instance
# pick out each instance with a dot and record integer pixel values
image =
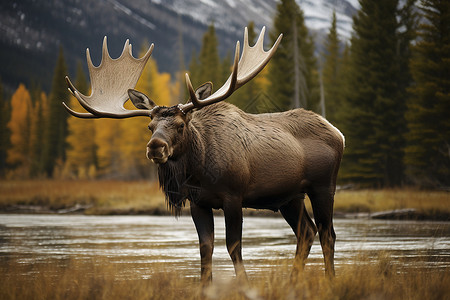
(143, 241)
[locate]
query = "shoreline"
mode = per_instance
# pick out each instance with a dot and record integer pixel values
(116, 197)
(408, 214)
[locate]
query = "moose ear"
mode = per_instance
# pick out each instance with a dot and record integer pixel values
(140, 100)
(204, 91)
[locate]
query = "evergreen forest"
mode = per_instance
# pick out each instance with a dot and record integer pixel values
(387, 89)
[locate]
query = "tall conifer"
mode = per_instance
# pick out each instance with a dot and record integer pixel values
(293, 71)
(428, 138)
(4, 131)
(330, 72)
(209, 68)
(38, 127)
(56, 132)
(374, 115)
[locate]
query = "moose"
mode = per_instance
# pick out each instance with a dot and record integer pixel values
(219, 157)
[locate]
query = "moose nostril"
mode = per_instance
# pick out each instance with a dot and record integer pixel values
(156, 143)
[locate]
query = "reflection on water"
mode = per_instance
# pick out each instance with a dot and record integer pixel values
(146, 240)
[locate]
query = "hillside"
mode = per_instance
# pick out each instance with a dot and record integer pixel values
(31, 31)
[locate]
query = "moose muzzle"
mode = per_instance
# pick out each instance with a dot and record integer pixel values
(158, 151)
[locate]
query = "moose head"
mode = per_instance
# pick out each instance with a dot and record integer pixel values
(114, 79)
(167, 125)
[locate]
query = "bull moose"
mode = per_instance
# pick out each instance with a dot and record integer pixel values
(219, 157)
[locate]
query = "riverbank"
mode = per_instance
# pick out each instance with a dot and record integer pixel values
(145, 198)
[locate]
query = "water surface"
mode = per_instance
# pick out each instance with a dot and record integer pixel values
(145, 241)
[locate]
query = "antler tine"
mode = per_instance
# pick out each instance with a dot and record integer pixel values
(226, 90)
(105, 52)
(110, 83)
(256, 50)
(71, 88)
(78, 114)
(252, 61)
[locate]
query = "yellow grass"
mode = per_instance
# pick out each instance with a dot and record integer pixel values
(427, 202)
(100, 197)
(112, 197)
(77, 279)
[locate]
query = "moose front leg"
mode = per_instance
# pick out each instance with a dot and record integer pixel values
(233, 224)
(204, 223)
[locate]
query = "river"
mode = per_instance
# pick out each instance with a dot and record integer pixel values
(143, 241)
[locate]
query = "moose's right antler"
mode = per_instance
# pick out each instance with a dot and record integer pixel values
(110, 82)
(252, 61)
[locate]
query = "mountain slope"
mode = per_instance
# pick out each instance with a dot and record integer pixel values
(31, 31)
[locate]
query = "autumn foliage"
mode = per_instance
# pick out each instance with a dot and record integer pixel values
(387, 90)
(100, 148)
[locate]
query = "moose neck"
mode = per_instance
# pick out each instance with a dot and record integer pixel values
(175, 178)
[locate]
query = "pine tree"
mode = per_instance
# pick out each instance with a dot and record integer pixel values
(56, 131)
(194, 71)
(331, 73)
(4, 131)
(345, 87)
(209, 58)
(38, 127)
(20, 127)
(428, 137)
(374, 114)
(207, 66)
(293, 71)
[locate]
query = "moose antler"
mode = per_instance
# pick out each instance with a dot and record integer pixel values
(110, 83)
(253, 60)
(112, 79)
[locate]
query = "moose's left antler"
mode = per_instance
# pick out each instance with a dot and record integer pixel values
(253, 60)
(110, 82)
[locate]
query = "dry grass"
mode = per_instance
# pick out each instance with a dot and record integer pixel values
(99, 197)
(76, 279)
(427, 202)
(128, 197)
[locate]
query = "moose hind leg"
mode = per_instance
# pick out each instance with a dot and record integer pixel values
(322, 200)
(204, 223)
(233, 230)
(298, 218)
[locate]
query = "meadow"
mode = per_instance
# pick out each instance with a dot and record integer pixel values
(144, 197)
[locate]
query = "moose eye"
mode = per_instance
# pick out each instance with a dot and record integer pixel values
(180, 128)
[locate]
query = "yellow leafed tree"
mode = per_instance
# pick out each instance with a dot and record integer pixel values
(20, 127)
(80, 155)
(107, 140)
(135, 133)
